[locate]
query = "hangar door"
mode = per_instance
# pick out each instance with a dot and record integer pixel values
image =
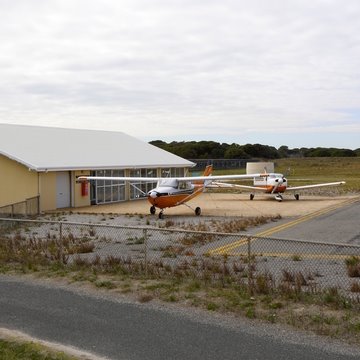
(63, 189)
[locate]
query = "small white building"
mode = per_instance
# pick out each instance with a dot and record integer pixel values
(259, 167)
(42, 164)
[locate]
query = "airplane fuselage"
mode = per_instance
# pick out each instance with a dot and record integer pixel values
(272, 183)
(169, 193)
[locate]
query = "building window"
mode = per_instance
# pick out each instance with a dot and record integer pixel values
(139, 189)
(172, 172)
(107, 191)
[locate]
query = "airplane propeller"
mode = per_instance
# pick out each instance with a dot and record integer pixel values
(279, 182)
(154, 194)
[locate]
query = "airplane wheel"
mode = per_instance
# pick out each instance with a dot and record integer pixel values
(152, 210)
(197, 211)
(297, 196)
(161, 215)
(252, 196)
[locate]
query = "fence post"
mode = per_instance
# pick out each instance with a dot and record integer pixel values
(145, 252)
(60, 242)
(250, 275)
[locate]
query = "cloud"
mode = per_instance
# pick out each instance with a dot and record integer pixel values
(182, 68)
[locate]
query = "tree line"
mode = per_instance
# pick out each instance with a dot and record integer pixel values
(216, 150)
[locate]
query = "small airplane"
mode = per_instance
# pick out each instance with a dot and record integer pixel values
(171, 191)
(273, 183)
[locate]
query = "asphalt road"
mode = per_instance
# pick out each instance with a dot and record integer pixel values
(119, 329)
(341, 225)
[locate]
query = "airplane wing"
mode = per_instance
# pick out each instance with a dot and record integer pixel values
(295, 188)
(119, 178)
(153, 179)
(262, 189)
(236, 186)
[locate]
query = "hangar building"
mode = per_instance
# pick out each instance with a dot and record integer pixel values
(39, 167)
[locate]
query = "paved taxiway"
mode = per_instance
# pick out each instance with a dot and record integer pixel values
(313, 218)
(229, 204)
(336, 224)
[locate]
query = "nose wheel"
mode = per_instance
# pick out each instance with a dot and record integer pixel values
(197, 211)
(152, 210)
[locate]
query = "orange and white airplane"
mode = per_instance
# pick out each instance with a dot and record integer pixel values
(273, 183)
(173, 191)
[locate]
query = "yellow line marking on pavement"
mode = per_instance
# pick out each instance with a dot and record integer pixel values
(301, 256)
(306, 217)
(222, 250)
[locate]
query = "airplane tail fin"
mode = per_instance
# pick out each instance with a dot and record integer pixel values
(208, 170)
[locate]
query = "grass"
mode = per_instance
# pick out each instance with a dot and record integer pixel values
(322, 170)
(18, 350)
(213, 286)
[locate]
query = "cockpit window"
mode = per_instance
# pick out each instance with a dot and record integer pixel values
(168, 183)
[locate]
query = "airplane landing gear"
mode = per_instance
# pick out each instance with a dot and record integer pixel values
(152, 210)
(297, 196)
(197, 211)
(278, 197)
(252, 196)
(161, 214)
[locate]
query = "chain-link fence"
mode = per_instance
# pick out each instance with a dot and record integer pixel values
(311, 266)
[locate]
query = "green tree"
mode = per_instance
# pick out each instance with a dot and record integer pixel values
(235, 151)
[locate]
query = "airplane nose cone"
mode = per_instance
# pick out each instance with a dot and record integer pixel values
(153, 194)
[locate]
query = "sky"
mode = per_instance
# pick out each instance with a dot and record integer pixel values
(283, 72)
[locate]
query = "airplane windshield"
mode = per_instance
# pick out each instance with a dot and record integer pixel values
(168, 183)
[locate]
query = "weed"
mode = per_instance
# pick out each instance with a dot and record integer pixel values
(250, 313)
(355, 327)
(296, 257)
(353, 266)
(355, 287)
(211, 306)
(193, 286)
(144, 298)
(171, 298)
(105, 284)
(276, 305)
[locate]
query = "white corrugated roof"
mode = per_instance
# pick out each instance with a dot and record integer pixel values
(50, 149)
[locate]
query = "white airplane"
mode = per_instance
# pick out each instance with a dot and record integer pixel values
(273, 183)
(170, 191)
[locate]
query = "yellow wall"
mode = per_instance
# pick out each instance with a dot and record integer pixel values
(17, 183)
(47, 186)
(80, 200)
(48, 191)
